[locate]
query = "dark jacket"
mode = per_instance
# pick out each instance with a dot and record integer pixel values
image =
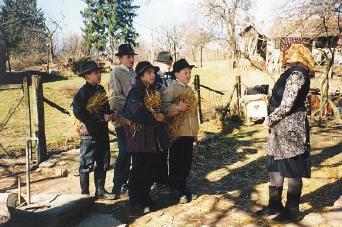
(279, 88)
(96, 125)
(141, 130)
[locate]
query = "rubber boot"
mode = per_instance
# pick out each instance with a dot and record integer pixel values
(101, 193)
(84, 182)
(290, 213)
(274, 202)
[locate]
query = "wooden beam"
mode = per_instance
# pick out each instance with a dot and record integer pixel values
(10, 86)
(39, 119)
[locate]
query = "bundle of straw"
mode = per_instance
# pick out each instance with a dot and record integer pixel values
(96, 102)
(176, 121)
(152, 102)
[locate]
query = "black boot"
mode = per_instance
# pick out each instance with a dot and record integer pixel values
(274, 202)
(84, 182)
(101, 193)
(291, 210)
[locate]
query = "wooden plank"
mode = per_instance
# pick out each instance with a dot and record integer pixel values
(39, 119)
(10, 86)
(26, 94)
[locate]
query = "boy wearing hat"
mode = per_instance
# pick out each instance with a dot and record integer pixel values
(180, 107)
(120, 82)
(164, 62)
(163, 80)
(142, 138)
(94, 118)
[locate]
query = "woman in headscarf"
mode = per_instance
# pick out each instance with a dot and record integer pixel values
(289, 137)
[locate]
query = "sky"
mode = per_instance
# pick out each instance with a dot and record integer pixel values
(153, 14)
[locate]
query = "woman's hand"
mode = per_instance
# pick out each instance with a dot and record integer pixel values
(182, 107)
(266, 124)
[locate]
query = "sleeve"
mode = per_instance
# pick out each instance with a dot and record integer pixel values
(292, 87)
(168, 107)
(135, 110)
(116, 97)
(80, 112)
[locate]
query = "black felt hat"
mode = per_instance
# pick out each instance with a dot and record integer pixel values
(125, 49)
(181, 64)
(143, 66)
(164, 56)
(87, 67)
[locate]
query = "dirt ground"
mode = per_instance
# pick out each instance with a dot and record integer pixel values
(228, 173)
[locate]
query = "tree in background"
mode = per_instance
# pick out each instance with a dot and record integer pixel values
(95, 32)
(22, 24)
(231, 14)
(109, 20)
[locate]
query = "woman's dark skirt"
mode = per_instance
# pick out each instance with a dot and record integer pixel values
(295, 167)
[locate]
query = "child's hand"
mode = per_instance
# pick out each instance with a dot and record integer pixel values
(196, 140)
(108, 117)
(160, 117)
(182, 107)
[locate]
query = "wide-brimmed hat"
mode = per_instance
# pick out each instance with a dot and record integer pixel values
(181, 64)
(143, 66)
(125, 49)
(87, 67)
(164, 56)
(298, 53)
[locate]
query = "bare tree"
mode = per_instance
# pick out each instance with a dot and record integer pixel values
(172, 39)
(50, 29)
(228, 14)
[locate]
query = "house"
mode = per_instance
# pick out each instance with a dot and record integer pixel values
(314, 34)
(253, 46)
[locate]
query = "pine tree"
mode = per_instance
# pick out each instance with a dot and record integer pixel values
(95, 32)
(124, 29)
(22, 24)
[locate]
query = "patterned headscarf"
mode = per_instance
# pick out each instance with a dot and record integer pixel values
(299, 53)
(286, 42)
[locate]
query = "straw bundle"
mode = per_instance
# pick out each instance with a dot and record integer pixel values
(96, 102)
(175, 122)
(152, 102)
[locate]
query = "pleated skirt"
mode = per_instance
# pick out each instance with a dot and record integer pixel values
(296, 167)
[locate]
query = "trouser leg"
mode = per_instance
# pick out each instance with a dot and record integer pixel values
(122, 164)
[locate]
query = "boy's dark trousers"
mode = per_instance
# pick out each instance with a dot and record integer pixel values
(162, 168)
(122, 164)
(180, 160)
(141, 178)
(94, 156)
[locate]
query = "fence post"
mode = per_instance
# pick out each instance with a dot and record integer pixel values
(197, 85)
(26, 94)
(39, 119)
(238, 92)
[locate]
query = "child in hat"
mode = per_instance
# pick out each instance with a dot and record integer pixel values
(91, 108)
(180, 107)
(120, 81)
(142, 113)
(163, 77)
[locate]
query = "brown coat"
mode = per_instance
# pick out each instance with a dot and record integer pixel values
(190, 125)
(120, 81)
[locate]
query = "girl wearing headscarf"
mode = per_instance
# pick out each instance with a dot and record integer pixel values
(289, 137)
